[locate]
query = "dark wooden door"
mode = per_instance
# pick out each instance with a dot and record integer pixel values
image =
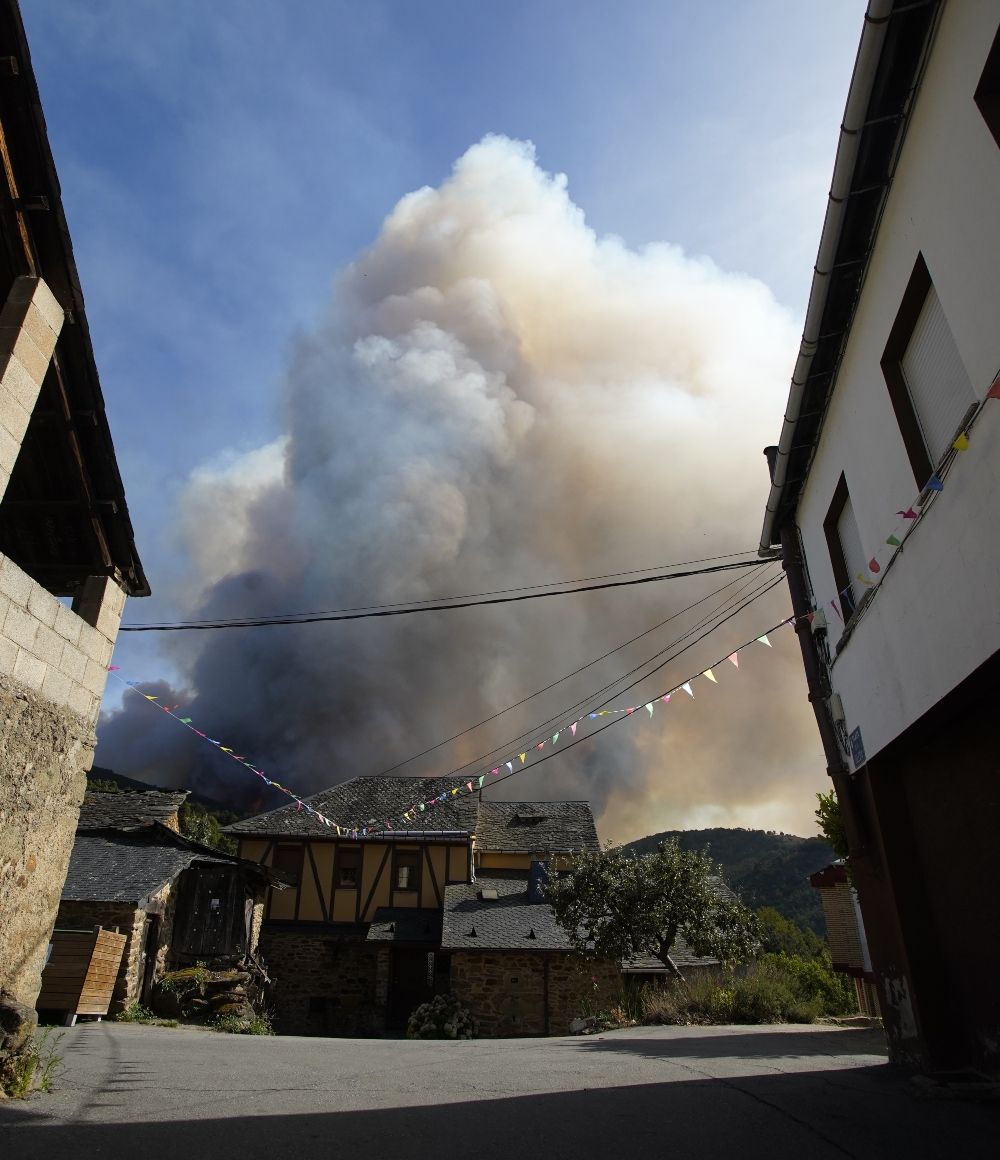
(411, 983)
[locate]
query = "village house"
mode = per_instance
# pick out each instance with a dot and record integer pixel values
(67, 556)
(376, 925)
(176, 901)
(845, 933)
(884, 505)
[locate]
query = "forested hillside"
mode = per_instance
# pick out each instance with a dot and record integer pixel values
(764, 868)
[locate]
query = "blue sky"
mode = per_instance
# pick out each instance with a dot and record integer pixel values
(221, 162)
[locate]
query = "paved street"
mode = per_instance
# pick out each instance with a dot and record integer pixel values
(744, 1092)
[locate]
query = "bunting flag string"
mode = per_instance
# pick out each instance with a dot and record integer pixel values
(910, 515)
(467, 784)
(355, 829)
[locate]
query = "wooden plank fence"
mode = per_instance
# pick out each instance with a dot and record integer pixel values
(80, 976)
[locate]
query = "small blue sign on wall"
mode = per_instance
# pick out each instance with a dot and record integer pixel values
(857, 748)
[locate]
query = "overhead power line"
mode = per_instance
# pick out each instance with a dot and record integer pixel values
(575, 672)
(529, 737)
(444, 606)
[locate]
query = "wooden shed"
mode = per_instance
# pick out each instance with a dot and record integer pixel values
(79, 977)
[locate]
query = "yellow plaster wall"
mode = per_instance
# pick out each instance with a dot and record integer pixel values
(310, 905)
(345, 903)
(500, 861)
(439, 860)
(323, 853)
(253, 849)
(458, 863)
(372, 861)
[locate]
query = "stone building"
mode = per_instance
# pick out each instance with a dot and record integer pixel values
(67, 556)
(176, 901)
(376, 925)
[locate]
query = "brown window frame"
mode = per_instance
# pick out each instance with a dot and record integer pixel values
(987, 94)
(840, 576)
(407, 857)
(342, 862)
(289, 848)
(912, 302)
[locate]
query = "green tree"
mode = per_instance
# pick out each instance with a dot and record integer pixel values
(201, 826)
(620, 907)
(779, 935)
(831, 824)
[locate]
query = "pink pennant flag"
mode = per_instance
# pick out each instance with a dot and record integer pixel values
(540, 745)
(735, 658)
(836, 609)
(763, 640)
(665, 698)
(994, 391)
(810, 616)
(909, 514)
(298, 807)
(630, 711)
(494, 772)
(572, 728)
(687, 688)
(711, 676)
(469, 784)
(113, 668)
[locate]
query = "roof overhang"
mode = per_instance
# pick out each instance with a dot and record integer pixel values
(895, 42)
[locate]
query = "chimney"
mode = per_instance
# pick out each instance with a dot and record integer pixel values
(771, 454)
(538, 875)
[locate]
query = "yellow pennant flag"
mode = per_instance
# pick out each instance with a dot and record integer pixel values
(711, 676)
(522, 757)
(961, 443)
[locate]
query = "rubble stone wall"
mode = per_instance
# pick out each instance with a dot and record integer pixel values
(323, 985)
(508, 993)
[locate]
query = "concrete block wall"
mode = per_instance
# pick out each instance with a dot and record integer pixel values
(51, 649)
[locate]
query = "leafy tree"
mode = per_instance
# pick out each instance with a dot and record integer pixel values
(620, 907)
(201, 826)
(831, 824)
(103, 785)
(779, 935)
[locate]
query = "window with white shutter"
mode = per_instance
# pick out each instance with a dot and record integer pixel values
(929, 386)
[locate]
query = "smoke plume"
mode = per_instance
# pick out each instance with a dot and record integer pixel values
(496, 397)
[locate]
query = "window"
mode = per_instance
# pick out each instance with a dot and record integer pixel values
(846, 552)
(347, 867)
(929, 386)
(289, 860)
(406, 869)
(987, 96)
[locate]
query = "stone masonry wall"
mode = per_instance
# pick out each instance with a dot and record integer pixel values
(507, 991)
(44, 753)
(323, 985)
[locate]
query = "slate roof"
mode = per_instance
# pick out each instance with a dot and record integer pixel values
(521, 827)
(111, 810)
(510, 922)
(368, 798)
(524, 827)
(127, 866)
(399, 924)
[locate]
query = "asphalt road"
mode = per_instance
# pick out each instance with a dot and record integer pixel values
(743, 1092)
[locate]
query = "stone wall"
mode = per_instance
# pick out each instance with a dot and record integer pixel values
(508, 991)
(324, 985)
(44, 754)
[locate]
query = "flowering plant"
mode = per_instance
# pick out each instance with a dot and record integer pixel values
(442, 1018)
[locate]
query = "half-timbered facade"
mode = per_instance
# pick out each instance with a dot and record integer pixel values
(356, 943)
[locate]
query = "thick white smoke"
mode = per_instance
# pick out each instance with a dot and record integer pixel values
(496, 397)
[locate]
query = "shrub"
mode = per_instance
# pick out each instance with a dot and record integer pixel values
(135, 1013)
(238, 1025)
(442, 1018)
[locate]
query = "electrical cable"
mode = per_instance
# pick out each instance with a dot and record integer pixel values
(545, 689)
(531, 736)
(381, 611)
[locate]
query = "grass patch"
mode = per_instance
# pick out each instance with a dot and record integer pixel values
(33, 1069)
(234, 1025)
(136, 1013)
